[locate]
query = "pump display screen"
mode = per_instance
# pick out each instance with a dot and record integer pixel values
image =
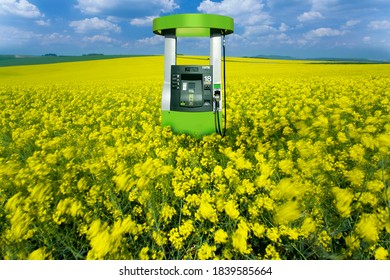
(191, 88)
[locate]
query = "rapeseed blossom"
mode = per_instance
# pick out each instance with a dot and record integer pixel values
(220, 236)
(231, 210)
(344, 198)
(367, 228)
(240, 237)
(287, 212)
(38, 254)
(167, 213)
(381, 254)
(206, 251)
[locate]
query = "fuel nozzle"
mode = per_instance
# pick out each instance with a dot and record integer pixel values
(217, 98)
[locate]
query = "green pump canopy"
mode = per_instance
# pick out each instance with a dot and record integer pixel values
(192, 25)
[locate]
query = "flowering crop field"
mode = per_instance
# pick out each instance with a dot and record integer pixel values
(87, 171)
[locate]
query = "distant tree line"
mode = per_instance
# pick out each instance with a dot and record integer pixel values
(92, 54)
(88, 54)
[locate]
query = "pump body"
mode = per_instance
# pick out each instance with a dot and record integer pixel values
(189, 92)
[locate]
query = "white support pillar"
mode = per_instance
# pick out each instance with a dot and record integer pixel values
(169, 59)
(215, 61)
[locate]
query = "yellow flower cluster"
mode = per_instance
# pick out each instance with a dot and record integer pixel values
(87, 171)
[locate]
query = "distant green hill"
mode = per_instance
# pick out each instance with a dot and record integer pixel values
(16, 60)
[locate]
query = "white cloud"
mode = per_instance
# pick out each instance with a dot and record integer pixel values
(16, 37)
(258, 30)
(42, 22)
(366, 39)
(100, 38)
(319, 5)
(21, 8)
(94, 24)
(155, 40)
(307, 16)
(350, 23)
(283, 38)
(283, 27)
(323, 32)
(12, 36)
(248, 14)
(145, 21)
(94, 6)
(244, 12)
(102, 6)
(230, 7)
(379, 25)
(167, 5)
(54, 38)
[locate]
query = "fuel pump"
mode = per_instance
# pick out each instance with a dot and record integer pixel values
(192, 94)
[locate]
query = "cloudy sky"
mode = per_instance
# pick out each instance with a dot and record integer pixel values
(299, 28)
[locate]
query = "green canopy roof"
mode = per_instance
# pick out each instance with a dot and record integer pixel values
(192, 25)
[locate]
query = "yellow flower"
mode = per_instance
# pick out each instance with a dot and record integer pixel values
(325, 240)
(243, 163)
(384, 141)
(227, 254)
(344, 198)
(287, 212)
(352, 242)
(288, 189)
(355, 177)
(218, 171)
(167, 213)
(356, 152)
(82, 184)
(368, 198)
(239, 238)
(186, 228)
(101, 245)
(123, 182)
(231, 210)
(220, 236)
(291, 233)
(177, 236)
(368, 141)
(21, 222)
(38, 254)
(176, 239)
(69, 152)
(381, 254)
(308, 227)
(367, 228)
(158, 238)
(375, 186)
(287, 166)
(206, 212)
(206, 251)
(143, 254)
(258, 230)
(342, 137)
(271, 253)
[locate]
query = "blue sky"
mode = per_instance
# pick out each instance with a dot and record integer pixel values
(303, 29)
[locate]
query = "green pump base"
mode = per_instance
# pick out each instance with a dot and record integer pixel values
(196, 124)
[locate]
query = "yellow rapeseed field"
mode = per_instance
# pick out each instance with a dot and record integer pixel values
(87, 172)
